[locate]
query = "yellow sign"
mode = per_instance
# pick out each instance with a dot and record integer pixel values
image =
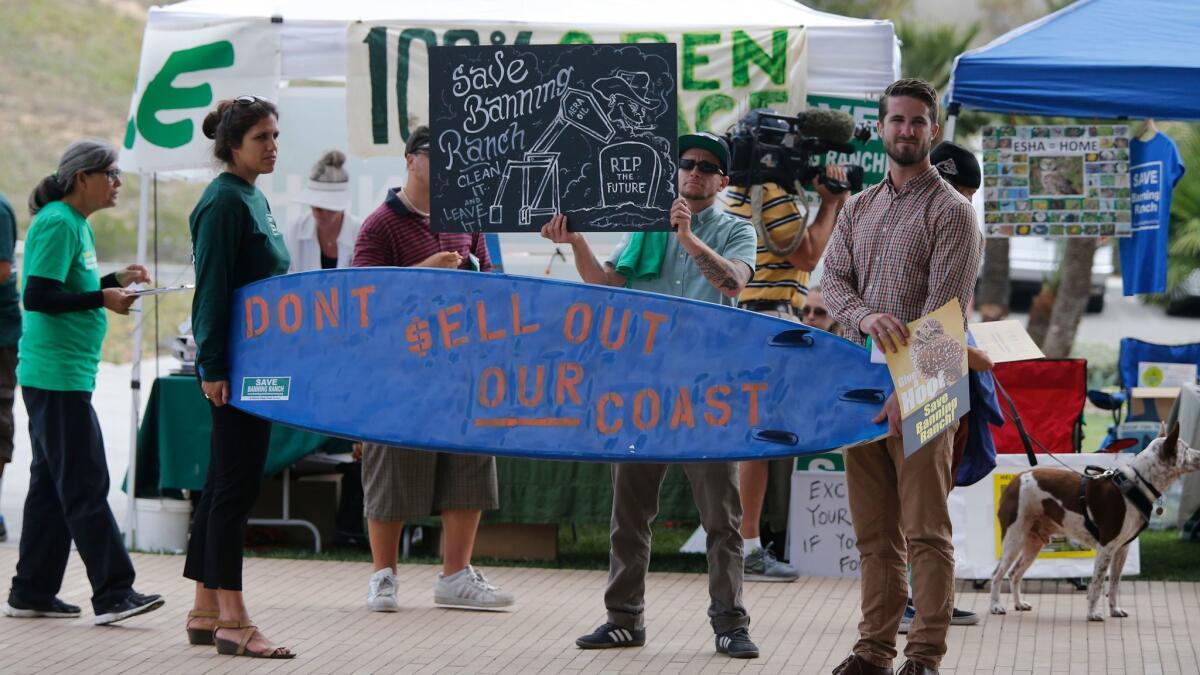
(930, 374)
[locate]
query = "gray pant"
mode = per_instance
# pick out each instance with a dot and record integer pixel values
(635, 504)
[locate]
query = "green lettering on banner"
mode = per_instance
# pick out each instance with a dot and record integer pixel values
(402, 58)
(691, 59)
(682, 121)
(764, 99)
(711, 105)
(376, 42)
(632, 38)
(161, 94)
(453, 37)
(576, 37)
(746, 50)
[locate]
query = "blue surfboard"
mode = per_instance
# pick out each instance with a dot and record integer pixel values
(518, 366)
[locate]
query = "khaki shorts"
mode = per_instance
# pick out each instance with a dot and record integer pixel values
(403, 484)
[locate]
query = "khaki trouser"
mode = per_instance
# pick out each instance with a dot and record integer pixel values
(635, 504)
(894, 501)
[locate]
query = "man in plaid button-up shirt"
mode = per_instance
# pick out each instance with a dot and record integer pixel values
(901, 249)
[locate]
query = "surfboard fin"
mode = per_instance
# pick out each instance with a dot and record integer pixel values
(776, 436)
(863, 396)
(794, 337)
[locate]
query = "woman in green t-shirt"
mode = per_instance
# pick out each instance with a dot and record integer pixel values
(234, 242)
(58, 355)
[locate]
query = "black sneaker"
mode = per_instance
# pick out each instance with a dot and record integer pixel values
(962, 617)
(737, 643)
(132, 605)
(611, 635)
(55, 609)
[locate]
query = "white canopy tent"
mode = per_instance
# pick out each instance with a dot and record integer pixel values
(845, 57)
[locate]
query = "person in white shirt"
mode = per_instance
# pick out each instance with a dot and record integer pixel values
(323, 238)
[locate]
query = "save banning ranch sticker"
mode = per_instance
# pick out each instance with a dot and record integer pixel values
(266, 388)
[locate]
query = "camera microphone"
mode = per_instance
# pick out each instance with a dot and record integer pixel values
(830, 126)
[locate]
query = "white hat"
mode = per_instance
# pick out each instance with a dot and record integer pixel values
(328, 186)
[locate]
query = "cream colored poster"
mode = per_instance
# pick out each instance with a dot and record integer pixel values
(723, 73)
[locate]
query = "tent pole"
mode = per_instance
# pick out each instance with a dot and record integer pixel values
(135, 375)
(951, 121)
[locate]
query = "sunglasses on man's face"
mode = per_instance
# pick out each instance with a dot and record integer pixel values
(687, 164)
(815, 311)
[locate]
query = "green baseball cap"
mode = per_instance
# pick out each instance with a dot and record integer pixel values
(707, 141)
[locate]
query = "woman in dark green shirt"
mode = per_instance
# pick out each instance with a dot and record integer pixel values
(59, 353)
(235, 241)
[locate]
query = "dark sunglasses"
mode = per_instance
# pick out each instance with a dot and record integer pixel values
(241, 101)
(815, 311)
(687, 164)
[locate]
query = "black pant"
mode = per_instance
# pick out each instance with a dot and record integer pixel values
(237, 456)
(68, 500)
(8, 394)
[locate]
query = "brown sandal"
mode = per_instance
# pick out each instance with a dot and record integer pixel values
(231, 648)
(200, 636)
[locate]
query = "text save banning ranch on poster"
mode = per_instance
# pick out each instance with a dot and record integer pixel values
(523, 133)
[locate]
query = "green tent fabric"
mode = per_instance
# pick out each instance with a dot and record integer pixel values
(643, 257)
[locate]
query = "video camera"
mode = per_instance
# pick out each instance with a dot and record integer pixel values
(768, 147)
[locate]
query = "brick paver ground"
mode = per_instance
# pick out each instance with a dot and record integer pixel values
(317, 608)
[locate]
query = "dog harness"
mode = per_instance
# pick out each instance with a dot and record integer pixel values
(1129, 489)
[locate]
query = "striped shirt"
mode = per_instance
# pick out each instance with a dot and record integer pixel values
(395, 236)
(903, 253)
(774, 277)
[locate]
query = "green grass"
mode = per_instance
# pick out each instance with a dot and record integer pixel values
(1166, 558)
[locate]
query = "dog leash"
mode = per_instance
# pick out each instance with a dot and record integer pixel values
(1027, 440)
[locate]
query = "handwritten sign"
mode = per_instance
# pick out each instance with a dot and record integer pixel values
(523, 133)
(493, 364)
(821, 538)
(1056, 181)
(930, 374)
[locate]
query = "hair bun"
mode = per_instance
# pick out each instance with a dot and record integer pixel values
(333, 158)
(212, 120)
(329, 169)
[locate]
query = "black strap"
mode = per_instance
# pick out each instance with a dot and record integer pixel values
(1016, 418)
(1087, 517)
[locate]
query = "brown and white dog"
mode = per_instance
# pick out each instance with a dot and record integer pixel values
(1044, 502)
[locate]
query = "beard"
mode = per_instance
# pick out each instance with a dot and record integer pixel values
(907, 155)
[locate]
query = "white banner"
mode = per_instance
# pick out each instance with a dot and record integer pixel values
(821, 534)
(183, 73)
(722, 74)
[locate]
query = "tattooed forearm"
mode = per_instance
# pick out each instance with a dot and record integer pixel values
(721, 273)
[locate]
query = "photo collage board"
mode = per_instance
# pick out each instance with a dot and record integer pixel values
(1056, 181)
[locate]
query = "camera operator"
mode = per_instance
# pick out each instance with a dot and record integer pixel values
(778, 288)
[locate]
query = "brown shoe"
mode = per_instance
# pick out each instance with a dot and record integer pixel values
(911, 667)
(857, 665)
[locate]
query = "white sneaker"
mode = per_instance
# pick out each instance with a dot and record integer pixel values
(381, 592)
(467, 589)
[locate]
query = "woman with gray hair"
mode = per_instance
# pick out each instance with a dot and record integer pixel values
(323, 237)
(58, 356)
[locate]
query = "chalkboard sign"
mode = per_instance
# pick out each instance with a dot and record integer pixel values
(523, 132)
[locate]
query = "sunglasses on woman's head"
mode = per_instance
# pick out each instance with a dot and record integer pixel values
(687, 164)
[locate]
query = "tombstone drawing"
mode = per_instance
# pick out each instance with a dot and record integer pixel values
(629, 174)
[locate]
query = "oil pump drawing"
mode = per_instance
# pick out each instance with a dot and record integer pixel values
(538, 171)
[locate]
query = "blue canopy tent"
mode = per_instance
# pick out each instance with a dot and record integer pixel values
(1094, 58)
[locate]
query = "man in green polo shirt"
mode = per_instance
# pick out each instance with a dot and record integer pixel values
(10, 334)
(709, 257)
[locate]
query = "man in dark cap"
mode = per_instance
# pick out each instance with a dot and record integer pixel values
(958, 167)
(709, 257)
